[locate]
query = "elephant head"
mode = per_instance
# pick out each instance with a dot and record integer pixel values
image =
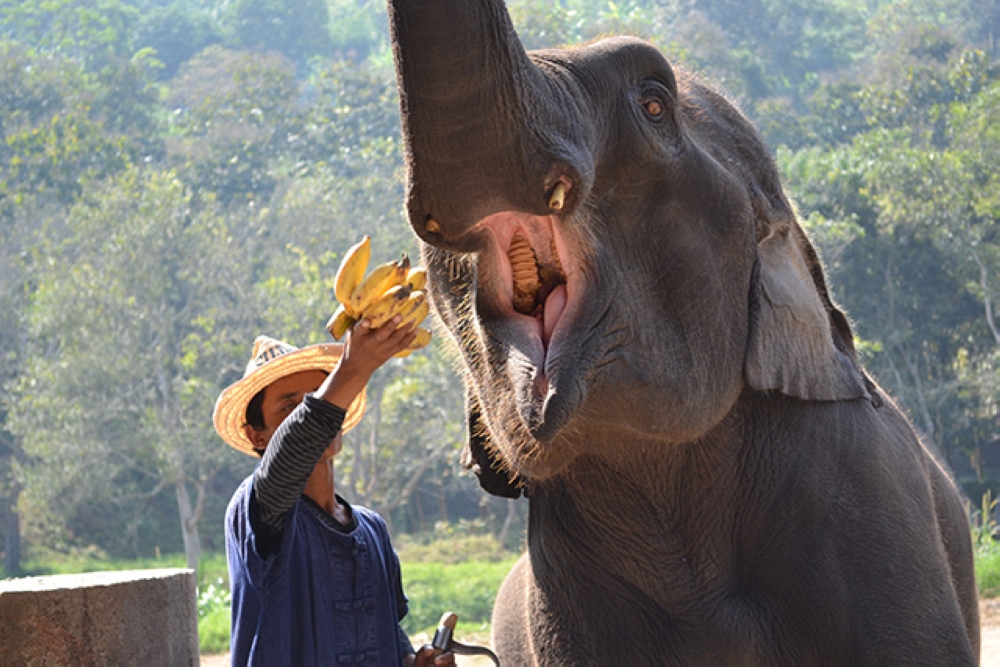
(650, 349)
(609, 244)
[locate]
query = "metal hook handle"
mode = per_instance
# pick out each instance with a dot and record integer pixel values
(444, 640)
(466, 649)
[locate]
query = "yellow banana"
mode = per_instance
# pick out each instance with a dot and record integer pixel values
(415, 309)
(352, 270)
(415, 298)
(340, 322)
(423, 337)
(417, 278)
(382, 279)
(371, 287)
(387, 305)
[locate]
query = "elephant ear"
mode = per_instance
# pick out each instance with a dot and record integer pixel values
(479, 456)
(800, 344)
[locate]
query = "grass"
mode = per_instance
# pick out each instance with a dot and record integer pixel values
(213, 618)
(985, 531)
(213, 604)
(988, 571)
(468, 589)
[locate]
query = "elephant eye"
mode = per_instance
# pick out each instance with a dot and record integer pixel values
(654, 100)
(653, 107)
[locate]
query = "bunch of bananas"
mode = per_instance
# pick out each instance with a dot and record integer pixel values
(394, 288)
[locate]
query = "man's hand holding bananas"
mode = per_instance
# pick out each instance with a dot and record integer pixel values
(394, 288)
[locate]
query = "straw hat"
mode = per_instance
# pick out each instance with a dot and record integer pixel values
(272, 360)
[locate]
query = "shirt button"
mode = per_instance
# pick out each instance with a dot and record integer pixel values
(357, 604)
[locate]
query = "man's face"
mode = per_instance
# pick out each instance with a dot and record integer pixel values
(280, 399)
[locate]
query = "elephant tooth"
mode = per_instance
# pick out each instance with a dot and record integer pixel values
(524, 268)
(558, 198)
(555, 256)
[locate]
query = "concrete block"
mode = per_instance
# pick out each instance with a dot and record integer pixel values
(145, 618)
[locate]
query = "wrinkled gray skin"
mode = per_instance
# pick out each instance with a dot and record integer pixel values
(713, 479)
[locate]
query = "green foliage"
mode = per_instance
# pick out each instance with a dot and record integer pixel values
(175, 33)
(358, 28)
(457, 568)
(214, 617)
(988, 571)
(168, 202)
(212, 568)
(64, 126)
(232, 114)
(112, 329)
(919, 270)
(298, 29)
(450, 544)
(985, 532)
(468, 589)
(95, 31)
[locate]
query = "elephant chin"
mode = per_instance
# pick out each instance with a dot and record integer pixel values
(530, 291)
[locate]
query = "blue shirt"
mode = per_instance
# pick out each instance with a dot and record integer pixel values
(326, 596)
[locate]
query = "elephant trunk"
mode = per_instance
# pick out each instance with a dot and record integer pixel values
(470, 103)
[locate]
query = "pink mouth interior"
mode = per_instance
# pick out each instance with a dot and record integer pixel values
(551, 257)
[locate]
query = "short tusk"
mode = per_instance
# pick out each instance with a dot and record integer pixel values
(558, 197)
(432, 226)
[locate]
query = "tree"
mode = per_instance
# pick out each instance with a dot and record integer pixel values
(129, 328)
(298, 29)
(920, 270)
(62, 125)
(176, 34)
(94, 32)
(233, 114)
(358, 29)
(18, 231)
(58, 129)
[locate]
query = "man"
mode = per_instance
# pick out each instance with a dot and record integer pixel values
(315, 581)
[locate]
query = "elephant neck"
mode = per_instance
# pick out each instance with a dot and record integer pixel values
(665, 519)
(636, 522)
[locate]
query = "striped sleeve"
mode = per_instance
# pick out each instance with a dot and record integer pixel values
(290, 458)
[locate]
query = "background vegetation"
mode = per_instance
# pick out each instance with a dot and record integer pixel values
(178, 176)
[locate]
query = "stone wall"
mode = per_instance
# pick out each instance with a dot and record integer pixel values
(138, 617)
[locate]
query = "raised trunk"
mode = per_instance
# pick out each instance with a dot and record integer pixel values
(469, 98)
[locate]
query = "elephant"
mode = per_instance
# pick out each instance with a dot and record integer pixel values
(650, 354)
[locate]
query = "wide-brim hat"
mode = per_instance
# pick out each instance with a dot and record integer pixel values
(272, 360)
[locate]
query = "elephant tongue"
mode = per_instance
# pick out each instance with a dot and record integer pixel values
(554, 306)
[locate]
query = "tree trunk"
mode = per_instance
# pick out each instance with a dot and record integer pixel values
(507, 521)
(189, 525)
(12, 536)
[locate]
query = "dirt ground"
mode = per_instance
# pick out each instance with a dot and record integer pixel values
(989, 616)
(989, 620)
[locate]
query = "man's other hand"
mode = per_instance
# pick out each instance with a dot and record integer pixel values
(427, 657)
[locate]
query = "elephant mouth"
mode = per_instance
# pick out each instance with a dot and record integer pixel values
(528, 281)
